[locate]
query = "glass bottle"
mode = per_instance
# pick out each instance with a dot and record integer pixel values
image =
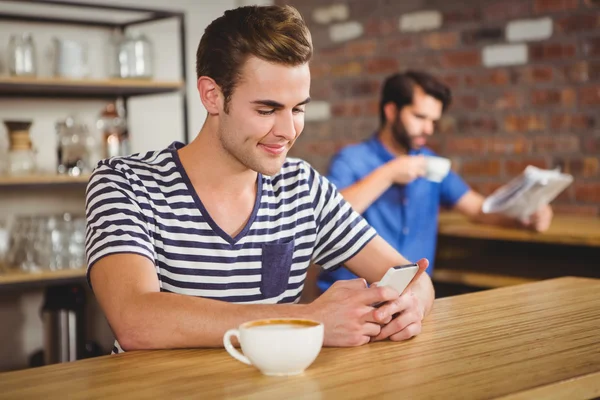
(113, 125)
(21, 155)
(21, 55)
(75, 149)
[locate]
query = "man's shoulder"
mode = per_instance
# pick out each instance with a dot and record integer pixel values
(150, 161)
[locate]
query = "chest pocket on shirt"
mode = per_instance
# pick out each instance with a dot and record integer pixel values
(276, 265)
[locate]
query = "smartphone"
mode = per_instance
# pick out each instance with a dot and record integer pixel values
(398, 278)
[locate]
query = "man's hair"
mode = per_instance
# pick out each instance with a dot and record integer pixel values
(399, 89)
(276, 34)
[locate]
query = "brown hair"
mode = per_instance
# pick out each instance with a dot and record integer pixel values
(399, 89)
(276, 34)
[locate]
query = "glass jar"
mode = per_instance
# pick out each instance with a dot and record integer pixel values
(135, 57)
(21, 55)
(76, 147)
(21, 155)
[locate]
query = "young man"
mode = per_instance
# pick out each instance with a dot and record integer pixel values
(187, 242)
(382, 178)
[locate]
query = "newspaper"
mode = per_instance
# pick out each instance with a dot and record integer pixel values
(526, 193)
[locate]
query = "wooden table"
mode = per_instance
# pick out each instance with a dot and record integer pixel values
(564, 230)
(539, 340)
(16, 278)
(484, 256)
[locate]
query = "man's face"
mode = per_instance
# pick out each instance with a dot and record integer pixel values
(415, 122)
(266, 114)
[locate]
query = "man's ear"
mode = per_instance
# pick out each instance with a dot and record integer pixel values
(210, 95)
(391, 111)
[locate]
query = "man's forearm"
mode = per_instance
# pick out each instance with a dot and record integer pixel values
(166, 320)
(364, 192)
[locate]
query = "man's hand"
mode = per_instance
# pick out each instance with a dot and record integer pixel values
(405, 169)
(407, 313)
(540, 220)
(346, 310)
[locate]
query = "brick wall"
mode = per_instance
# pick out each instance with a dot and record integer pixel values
(525, 76)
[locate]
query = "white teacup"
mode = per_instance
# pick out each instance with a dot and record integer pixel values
(280, 347)
(437, 168)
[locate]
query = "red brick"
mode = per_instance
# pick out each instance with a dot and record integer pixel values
(508, 145)
(440, 40)
(575, 209)
(482, 35)
(398, 45)
(593, 70)
(361, 48)
(346, 109)
(523, 123)
(577, 72)
(461, 59)
(465, 145)
(589, 95)
(586, 167)
(587, 192)
(577, 23)
(551, 97)
(451, 80)
(591, 47)
(551, 51)
(591, 145)
(485, 188)
(481, 168)
(465, 102)
(380, 27)
(318, 70)
(534, 74)
(592, 3)
(551, 144)
(477, 125)
(372, 108)
(382, 65)
(515, 167)
(506, 9)
(344, 89)
(499, 77)
(506, 101)
(462, 15)
(447, 125)
(548, 6)
(333, 52)
(321, 89)
(571, 122)
(435, 144)
(353, 68)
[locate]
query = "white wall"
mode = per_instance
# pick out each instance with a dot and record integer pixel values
(154, 123)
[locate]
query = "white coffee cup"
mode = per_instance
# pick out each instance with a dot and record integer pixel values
(279, 347)
(437, 168)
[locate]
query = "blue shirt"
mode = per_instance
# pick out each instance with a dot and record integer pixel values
(406, 216)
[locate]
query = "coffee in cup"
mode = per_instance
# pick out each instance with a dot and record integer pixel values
(279, 347)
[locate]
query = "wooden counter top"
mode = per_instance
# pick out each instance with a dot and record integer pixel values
(569, 230)
(537, 340)
(15, 278)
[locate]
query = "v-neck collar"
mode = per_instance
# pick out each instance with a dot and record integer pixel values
(216, 228)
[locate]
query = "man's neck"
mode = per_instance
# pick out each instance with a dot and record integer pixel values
(386, 137)
(210, 167)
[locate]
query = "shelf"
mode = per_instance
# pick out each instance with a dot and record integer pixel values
(477, 279)
(43, 180)
(83, 88)
(14, 278)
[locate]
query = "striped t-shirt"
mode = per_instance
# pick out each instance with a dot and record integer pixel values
(145, 204)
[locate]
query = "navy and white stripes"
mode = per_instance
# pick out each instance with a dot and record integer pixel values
(145, 204)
